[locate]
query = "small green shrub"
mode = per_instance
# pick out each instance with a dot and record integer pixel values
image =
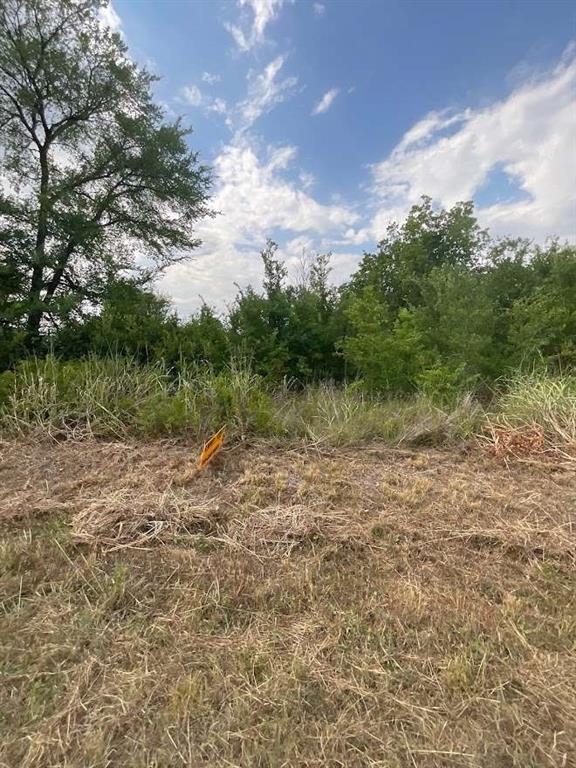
(167, 413)
(444, 383)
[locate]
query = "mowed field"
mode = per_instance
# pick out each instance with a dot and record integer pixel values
(291, 605)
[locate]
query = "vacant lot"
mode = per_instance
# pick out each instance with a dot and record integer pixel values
(289, 606)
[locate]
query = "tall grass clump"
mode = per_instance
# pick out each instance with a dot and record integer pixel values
(201, 400)
(96, 397)
(543, 402)
(341, 416)
(118, 397)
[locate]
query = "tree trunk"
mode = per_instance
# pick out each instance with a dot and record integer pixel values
(36, 311)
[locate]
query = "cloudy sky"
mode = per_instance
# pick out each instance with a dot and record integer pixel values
(324, 121)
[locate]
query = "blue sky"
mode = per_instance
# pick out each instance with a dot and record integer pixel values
(324, 121)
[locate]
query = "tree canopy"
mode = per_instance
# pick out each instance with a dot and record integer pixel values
(96, 184)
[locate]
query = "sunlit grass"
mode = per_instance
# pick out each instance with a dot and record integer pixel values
(117, 397)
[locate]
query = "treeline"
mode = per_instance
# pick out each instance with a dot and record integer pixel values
(101, 193)
(438, 307)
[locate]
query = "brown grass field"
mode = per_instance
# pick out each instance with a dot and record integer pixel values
(289, 606)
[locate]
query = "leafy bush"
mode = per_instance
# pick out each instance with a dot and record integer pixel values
(444, 383)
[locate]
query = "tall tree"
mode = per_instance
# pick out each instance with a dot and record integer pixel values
(93, 182)
(427, 239)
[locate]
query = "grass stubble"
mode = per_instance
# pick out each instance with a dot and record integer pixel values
(291, 606)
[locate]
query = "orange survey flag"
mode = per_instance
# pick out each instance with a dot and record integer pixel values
(211, 448)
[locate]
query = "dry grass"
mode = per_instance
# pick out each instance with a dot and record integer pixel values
(536, 416)
(289, 607)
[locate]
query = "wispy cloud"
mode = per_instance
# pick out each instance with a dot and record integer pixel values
(307, 179)
(217, 105)
(193, 96)
(326, 101)
(265, 91)
(207, 77)
(319, 9)
(252, 26)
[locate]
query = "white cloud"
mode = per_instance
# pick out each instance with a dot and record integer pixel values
(192, 95)
(109, 17)
(319, 9)
(217, 105)
(250, 31)
(530, 135)
(265, 91)
(211, 79)
(326, 101)
(255, 197)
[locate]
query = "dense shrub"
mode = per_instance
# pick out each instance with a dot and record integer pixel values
(439, 308)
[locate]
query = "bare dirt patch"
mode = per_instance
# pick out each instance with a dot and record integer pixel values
(288, 607)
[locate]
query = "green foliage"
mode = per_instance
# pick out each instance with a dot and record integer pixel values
(203, 339)
(387, 351)
(456, 317)
(289, 331)
(428, 239)
(439, 309)
(133, 322)
(543, 323)
(105, 175)
(137, 323)
(443, 382)
(257, 331)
